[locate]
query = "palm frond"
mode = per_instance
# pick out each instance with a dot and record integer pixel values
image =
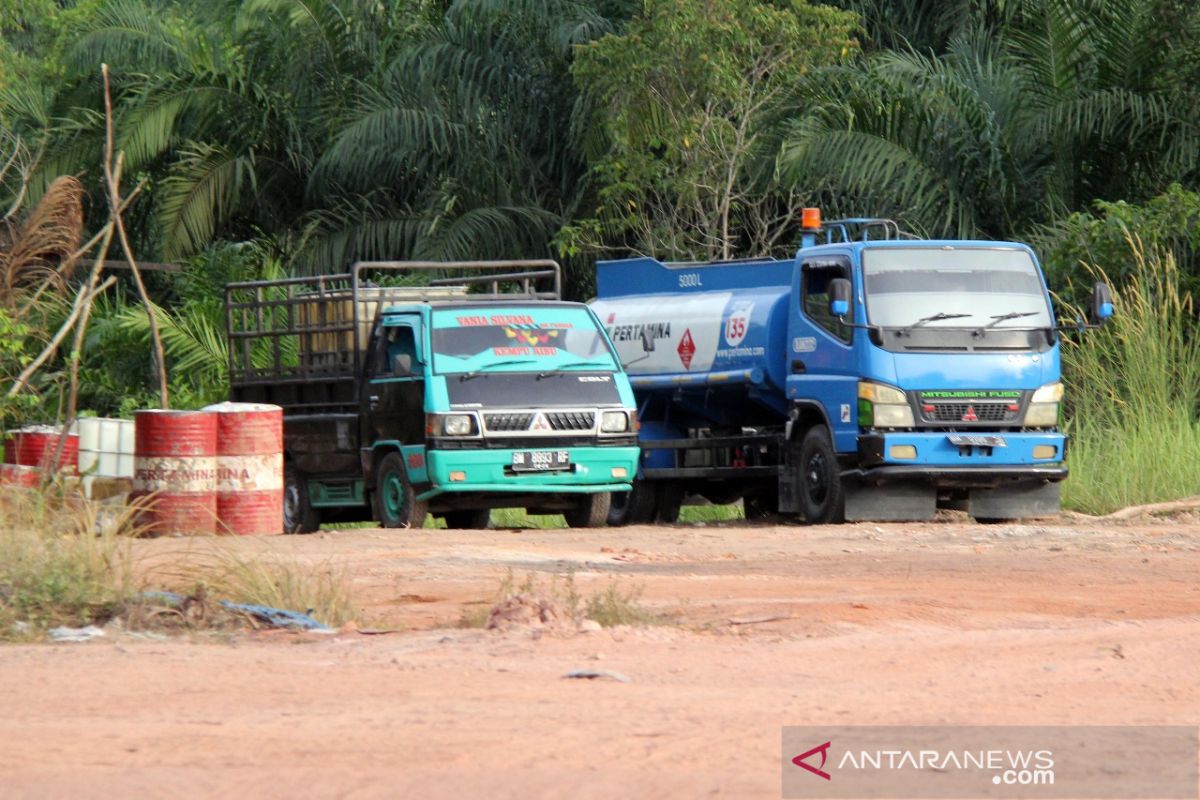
(199, 194)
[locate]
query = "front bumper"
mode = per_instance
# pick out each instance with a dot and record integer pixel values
(491, 471)
(941, 462)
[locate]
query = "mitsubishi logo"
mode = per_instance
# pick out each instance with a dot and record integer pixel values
(540, 423)
(970, 416)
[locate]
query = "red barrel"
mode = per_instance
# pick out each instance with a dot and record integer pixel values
(175, 470)
(35, 447)
(249, 468)
(18, 475)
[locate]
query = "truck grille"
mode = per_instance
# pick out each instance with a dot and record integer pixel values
(542, 423)
(571, 420)
(503, 423)
(955, 412)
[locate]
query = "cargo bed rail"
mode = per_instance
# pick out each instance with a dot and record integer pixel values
(297, 330)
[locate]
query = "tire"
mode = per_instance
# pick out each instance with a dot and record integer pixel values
(396, 504)
(670, 500)
(475, 519)
(819, 492)
(592, 511)
(761, 505)
(634, 507)
(298, 515)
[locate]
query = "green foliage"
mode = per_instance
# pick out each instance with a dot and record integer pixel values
(117, 367)
(14, 356)
(1133, 389)
(686, 100)
(1168, 223)
(1011, 126)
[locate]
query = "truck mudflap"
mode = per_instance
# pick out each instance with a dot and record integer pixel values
(589, 470)
(911, 496)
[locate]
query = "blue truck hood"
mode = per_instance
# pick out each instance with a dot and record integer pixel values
(965, 370)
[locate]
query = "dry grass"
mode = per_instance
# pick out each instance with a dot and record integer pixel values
(611, 606)
(63, 561)
(320, 591)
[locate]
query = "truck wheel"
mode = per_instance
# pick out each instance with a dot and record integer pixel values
(469, 519)
(592, 511)
(396, 504)
(820, 490)
(298, 515)
(761, 505)
(670, 500)
(634, 507)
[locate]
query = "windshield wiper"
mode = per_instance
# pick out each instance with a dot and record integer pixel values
(938, 317)
(565, 367)
(475, 373)
(996, 320)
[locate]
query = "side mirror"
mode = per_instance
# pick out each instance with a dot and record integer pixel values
(1102, 304)
(402, 364)
(647, 340)
(839, 297)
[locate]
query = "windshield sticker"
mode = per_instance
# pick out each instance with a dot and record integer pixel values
(531, 336)
(494, 319)
(524, 351)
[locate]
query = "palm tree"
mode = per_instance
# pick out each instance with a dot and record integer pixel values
(1010, 127)
(462, 147)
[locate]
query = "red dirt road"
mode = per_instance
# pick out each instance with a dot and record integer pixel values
(1064, 622)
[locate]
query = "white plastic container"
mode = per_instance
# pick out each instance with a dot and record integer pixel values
(105, 449)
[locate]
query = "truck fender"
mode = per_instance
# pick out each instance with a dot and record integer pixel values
(804, 414)
(413, 457)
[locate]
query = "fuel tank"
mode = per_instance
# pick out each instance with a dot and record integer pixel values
(721, 324)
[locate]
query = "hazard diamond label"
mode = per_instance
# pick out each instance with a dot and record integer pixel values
(687, 349)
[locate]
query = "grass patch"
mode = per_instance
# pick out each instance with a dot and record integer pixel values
(322, 591)
(615, 604)
(63, 561)
(618, 605)
(66, 561)
(711, 513)
(1133, 390)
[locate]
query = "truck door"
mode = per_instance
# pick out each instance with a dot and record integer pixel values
(394, 400)
(823, 367)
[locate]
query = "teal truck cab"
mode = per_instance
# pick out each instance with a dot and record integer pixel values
(471, 390)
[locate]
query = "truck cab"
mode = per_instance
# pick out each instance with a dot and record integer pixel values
(450, 397)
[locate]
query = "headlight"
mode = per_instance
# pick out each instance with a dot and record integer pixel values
(883, 406)
(614, 422)
(458, 424)
(1043, 406)
(878, 393)
(1050, 393)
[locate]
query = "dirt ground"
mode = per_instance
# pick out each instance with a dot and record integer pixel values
(1060, 622)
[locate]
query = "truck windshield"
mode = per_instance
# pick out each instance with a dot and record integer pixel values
(992, 288)
(498, 339)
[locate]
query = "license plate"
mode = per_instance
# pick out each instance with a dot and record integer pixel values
(976, 440)
(540, 460)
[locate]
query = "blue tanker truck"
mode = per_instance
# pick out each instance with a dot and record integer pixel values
(874, 376)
